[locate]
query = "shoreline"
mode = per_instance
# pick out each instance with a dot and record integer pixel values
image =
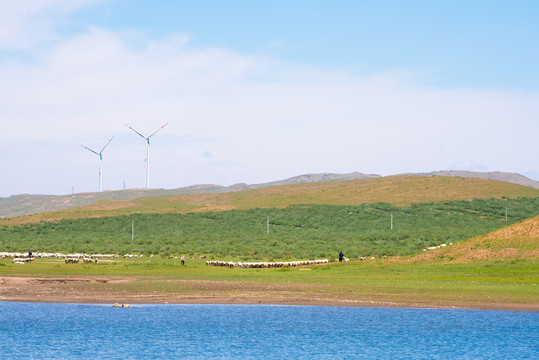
(96, 290)
(499, 307)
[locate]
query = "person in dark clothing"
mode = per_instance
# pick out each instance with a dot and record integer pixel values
(341, 256)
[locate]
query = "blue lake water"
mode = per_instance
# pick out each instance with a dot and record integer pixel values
(77, 331)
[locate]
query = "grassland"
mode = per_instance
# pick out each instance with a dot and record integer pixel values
(295, 232)
(509, 284)
(306, 221)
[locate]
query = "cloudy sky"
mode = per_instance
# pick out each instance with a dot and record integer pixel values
(258, 91)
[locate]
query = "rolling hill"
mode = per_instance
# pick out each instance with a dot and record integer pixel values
(17, 205)
(25, 204)
(400, 190)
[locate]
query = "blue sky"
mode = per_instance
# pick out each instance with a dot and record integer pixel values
(255, 92)
(448, 43)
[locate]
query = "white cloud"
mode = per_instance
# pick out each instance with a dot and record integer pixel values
(24, 23)
(239, 118)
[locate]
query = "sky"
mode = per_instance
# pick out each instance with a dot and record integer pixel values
(253, 92)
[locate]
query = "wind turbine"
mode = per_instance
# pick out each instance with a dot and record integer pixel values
(100, 154)
(147, 151)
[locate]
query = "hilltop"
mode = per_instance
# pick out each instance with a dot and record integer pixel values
(26, 204)
(402, 190)
(492, 175)
(516, 241)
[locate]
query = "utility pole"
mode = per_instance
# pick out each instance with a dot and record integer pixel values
(505, 198)
(132, 230)
(391, 219)
(267, 231)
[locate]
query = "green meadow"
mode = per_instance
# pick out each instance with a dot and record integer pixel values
(295, 232)
(480, 284)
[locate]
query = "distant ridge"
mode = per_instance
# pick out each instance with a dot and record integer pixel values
(18, 205)
(308, 178)
(492, 175)
(26, 204)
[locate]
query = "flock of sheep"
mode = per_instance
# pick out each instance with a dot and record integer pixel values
(436, 247)
(133, 256)
(4, 255)
(248, 265)
(23, 258)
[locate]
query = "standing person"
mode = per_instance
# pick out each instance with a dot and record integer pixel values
(183, 260)
(341, 256)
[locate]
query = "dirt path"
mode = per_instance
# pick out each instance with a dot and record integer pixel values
(155, 290)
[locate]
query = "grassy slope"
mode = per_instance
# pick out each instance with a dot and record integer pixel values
(296, 232)
(513, 242)
(396, 190)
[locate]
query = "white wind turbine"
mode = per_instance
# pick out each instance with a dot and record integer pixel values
(147, 152)
(100, 154)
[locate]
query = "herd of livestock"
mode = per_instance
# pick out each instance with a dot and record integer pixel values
(257, 265)
(23, 258)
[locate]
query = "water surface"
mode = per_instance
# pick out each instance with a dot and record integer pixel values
(76, 331)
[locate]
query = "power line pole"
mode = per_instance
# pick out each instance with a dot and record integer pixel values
(267, 231)
(505, 198)
(132, 230)
(391, 219)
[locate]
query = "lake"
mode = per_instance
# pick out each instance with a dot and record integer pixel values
(77, 331)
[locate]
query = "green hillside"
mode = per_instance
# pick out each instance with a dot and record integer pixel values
(297, 231)
(517, 241)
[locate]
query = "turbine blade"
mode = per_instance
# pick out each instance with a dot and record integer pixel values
(87, 148)
(106, 145)
(144, 137)
(157, 130)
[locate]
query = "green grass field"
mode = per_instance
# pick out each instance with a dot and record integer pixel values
(424, 284)
(295, 232)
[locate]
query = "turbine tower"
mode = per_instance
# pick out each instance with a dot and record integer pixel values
(100, 154)
(147, 151)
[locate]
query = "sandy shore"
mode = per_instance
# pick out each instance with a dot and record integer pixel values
(132, 290)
